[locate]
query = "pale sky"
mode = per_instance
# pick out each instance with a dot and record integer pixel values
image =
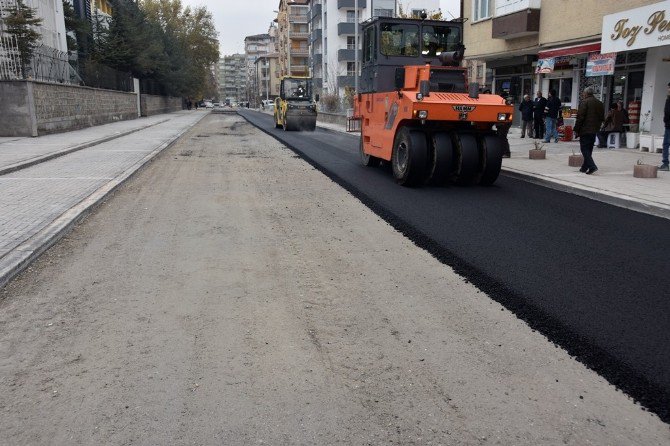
(236, 19)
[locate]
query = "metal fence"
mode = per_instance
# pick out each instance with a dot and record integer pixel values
(10, 64)
(96, 75)
(51, 65)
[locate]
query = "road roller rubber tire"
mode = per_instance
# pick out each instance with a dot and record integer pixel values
(366, 160)
(490, 158)
(410, 157)
(440, 159)
(467, 156)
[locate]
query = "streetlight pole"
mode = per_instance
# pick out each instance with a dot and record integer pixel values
(356, 46)
(267, 80)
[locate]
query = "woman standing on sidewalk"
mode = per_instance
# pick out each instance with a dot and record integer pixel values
(590, 117)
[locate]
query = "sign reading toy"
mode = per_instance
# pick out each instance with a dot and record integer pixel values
(600, 64)
(638, 28)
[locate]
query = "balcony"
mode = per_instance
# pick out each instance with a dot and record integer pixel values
(349, 4)
(317, 34)
(298, 69)
(345, 81)
(512, 6)
(346, 28)
(298, 35)
(299, 52)
(517, 24)
(346, 55)
(315, 11)
(298, 18)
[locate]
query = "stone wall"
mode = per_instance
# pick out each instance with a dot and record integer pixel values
(60, 108)
(16, 109)
(155, 105)
(31, 108)
(332, 118)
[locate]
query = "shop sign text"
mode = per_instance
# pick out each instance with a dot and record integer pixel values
(638, 28)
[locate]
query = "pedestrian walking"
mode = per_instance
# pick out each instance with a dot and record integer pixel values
(613, 124)
(589, 119)
(551, 119)
(526, 109)
(539, 105)
(666, 135)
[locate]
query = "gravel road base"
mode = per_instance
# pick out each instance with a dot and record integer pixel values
(231, 294)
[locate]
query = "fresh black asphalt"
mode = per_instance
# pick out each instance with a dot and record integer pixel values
(592, 277)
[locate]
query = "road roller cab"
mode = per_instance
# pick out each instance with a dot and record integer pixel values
(417, 110)
(295, 108)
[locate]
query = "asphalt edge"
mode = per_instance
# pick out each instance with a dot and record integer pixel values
(41, 159)
(19, 258)
(622, 201)
(633, 204)
(649, 396)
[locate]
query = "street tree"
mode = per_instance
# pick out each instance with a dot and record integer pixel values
(20, 22)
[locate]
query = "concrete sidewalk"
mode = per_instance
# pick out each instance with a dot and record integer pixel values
(58, 179)
(613, 183)
(20, 152)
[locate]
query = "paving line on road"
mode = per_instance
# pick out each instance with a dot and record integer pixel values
(20, 257)
(40, 159)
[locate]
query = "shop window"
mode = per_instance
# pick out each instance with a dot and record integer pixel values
(563, 89)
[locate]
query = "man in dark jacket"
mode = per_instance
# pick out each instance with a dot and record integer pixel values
(666, 135)
(590, 117)
(552, 110)
(538, 115)
(526, 109)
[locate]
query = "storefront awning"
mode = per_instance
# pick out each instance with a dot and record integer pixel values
(570, 50)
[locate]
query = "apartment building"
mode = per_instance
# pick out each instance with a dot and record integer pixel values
(292, 37)
(254, 47)
(232, 78)
(568, 45)
(332, 36)
(52, 29)
(267, 76)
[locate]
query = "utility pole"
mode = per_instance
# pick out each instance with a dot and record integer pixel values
(356, 46)
(267, 79)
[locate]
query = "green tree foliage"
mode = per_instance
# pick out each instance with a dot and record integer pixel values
(21, 22)
(76, 28)
(160, 40)
(131, 42)
(191, 44)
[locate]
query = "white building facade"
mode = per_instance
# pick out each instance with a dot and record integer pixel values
(332, 36)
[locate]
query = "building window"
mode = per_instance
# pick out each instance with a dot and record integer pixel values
(351, 42)
(383, 13)
(351, 68)
(480, 71)
(481, 9)
(351, 16)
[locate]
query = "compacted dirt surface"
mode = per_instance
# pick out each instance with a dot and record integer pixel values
(232, 294)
